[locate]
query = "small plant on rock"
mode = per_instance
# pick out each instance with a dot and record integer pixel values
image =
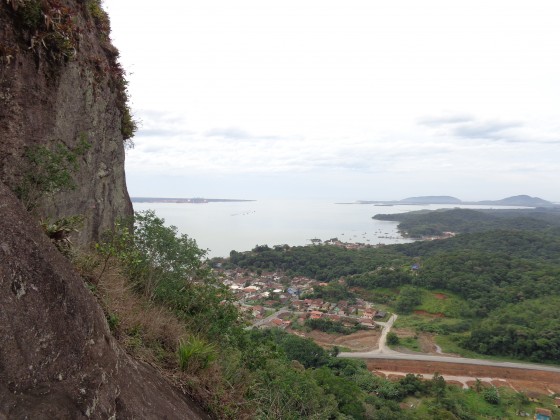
(59, 231)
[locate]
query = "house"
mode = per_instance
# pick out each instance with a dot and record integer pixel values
(369, 313)
(315, 315)
(298, 304)
(543, 414)
(557, 402)
(277, 322)
(258, 311)
(381, 314)
(315, 304)
(284, 299)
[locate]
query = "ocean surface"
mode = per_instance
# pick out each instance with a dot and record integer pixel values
(240, 226)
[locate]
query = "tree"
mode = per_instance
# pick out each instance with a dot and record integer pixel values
(438, 387)
(409, 298)
(393, 339)
(491, 395)
(303, 350)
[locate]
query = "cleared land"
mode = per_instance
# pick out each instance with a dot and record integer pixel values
(524, 380)
(359, 341)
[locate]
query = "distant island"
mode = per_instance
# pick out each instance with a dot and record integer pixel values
(518, 200)
(196, 200)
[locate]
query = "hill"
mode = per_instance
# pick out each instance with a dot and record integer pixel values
(518, 200)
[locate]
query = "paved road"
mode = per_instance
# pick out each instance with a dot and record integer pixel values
(384, 352)
(269, 318)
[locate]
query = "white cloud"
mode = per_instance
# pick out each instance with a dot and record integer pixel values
(419, 94)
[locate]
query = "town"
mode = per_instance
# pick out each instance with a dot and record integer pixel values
(272, 299)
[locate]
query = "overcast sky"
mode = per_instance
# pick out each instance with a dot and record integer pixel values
(345, 100)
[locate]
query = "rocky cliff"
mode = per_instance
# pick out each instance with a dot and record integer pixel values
(64, 120)
(58, 359)
(64, 124)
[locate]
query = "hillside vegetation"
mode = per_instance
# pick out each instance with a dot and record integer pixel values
(239, 373)
(434, 223)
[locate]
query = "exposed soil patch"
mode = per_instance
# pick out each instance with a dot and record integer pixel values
(527, 381)
(358, 341)
(427, 343)
(440, 296)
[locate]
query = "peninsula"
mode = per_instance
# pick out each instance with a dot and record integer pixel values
(195, 200)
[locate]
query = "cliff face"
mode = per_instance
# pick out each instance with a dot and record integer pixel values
(63, 127)
(61, 87)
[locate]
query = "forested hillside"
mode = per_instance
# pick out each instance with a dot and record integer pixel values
(435, 223)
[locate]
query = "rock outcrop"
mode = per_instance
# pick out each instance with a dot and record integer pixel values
(61, 85)
(58, 359)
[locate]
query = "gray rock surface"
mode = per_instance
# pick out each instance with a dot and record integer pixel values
(44, 102)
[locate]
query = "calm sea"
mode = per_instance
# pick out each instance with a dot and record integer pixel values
(222, 227)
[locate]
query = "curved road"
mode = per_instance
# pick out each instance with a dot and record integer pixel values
(384, 352)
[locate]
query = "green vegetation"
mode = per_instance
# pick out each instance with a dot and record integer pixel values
(431, 324)
(324, 262)
(100, 17)
(255, 374)
(434, 223)
(195, 354)
(409, 297)
(333, 327)
(51, 27)
(393, 339)
(29, 12)
(240, 373)
(530, 331)
(168, 269)
(410, 343)
(59, 231)
(333, 292)
(49, 171)
(505, 276)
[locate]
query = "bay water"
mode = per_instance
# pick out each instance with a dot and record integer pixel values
(221, 227)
